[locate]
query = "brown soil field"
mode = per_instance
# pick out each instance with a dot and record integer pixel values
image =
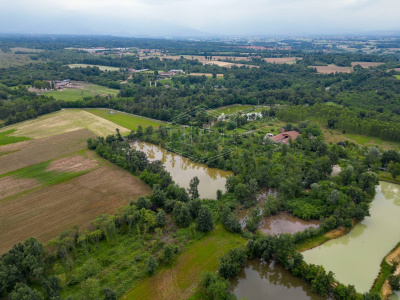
(397, 69)
(32, 152)
(331, 69)
(45, 213)
(282, 60)
(205, 74)
(10, 185)
(366, 64)
(74, 163)
(64, 121)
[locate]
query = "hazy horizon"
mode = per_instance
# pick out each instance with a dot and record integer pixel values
(192, 17)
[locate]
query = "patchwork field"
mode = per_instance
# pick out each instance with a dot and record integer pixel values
(86, 188)
(282, 60)
(181, 280)
(64, 121)
(78, 90)
(123, 119)
(366, 64)
(102, 68)
(331, 69)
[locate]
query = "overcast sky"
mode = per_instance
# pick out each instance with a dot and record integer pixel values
(209, 16)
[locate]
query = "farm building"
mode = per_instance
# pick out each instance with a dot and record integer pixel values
(177, 72)
(61, 84)
(284, 137)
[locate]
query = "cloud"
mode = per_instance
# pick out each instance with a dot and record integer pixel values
(220, 16)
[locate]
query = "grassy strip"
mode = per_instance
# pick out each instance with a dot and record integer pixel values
(5, 139)
(4, 153)
(181, 280)
(384, 273)
(125, 120)
(312, 243)
(40, 173)
(386, 176)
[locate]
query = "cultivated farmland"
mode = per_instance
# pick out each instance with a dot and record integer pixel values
(62, 122)
(366, 64)
(102, 68)
(330, 69)
(282, 60)
(47, 211)
(77, 90)
(123, 119)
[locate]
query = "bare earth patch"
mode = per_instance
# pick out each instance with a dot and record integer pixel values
(32, 152)
(11, 186)
(74, 163)
(395, 255)
(45, 213)
(331, 69)
(366, 64)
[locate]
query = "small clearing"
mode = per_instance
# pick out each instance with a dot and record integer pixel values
(282, 60)
(102, 68)
(181, 280)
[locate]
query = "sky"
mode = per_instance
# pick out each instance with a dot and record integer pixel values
(218, 17)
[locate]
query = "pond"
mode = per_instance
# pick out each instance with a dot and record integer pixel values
(183, 170)
(280, 223)
(355, 258)
(261, 280)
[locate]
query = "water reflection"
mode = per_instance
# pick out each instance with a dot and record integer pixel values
(355, 258)
(395, 296)
(268, 280)
(183, 170)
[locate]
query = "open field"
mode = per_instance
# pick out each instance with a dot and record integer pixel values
(181, 280)
(205, 74)
(366, 64)
(397, 76)
(78, 90)
(336, 136)
(233, 109)
(47, 211)
(330, 69)
(6, 139)
(282, 60)
(123, 119)
(64, 121)
(12, 59)
(102, 68)
(215, 60)
(27, 153)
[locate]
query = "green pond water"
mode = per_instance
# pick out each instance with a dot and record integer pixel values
(355, 258)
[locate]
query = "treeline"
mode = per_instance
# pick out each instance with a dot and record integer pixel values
(375, 123)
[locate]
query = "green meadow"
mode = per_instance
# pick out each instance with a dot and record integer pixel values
(6, 139)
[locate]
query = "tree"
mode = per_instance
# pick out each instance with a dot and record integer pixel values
(139, 131)
(231, 182)
(373, 156)
(204, 221)
(193, 188)
(161, 218)
(242, 192)
(22, 291)
(151, 265)
(388, 156)
(143, 202)
(232, 262)
(182, 215)
(109, 294)
(394, 169)
(91, 289)
(194, 207)
(169, 252)
(394, 281)
(158, 196)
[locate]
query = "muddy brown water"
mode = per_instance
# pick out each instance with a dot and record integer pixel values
(260, 280)
(280, 223)
(183, 170)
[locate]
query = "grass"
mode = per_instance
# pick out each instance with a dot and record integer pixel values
(126, 120)
(386, 270)
(312, 243)
(86, 90)
(397, 76)
(181, 280)
(12, 59)
(386, 176)
(65, 121)
(102, 68)
(40, 173)
(234, 109)
(6, 139)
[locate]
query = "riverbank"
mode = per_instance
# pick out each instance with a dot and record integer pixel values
(381, 284)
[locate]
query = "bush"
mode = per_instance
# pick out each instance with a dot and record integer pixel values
(151, 265)
(169, 252)
(394, 281)
(143, 202)
(232, 262)
(216, 286)
(161, 218)
(204, 221)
